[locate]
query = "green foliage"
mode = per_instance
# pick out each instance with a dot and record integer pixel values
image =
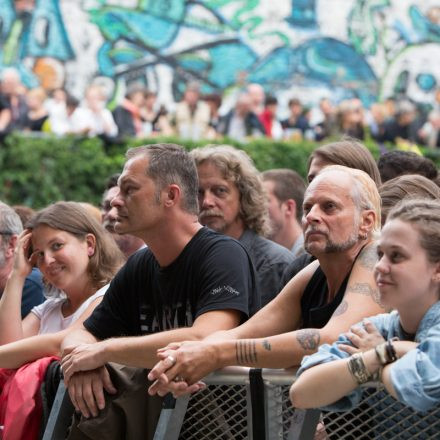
(36, 171)
(39, 170)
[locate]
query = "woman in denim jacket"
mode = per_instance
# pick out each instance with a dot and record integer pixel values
(400, 349)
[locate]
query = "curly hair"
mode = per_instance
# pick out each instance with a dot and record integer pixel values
(395, 163)
(236, 166)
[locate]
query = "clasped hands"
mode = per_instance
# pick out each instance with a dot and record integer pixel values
(180, 368)
(178, 371)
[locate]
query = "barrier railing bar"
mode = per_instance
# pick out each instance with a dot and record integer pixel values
(60, 415)
(303, 425)
(171, 418)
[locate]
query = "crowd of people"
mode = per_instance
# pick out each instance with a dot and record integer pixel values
(245, 113)
(198, 261)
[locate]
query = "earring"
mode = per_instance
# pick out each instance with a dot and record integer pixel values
(363, 236)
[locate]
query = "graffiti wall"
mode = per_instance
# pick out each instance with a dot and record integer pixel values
(370, 49)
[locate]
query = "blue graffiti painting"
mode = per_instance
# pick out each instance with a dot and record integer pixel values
(303, 14)
(47, 34)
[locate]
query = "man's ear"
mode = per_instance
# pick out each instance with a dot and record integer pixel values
(12, 243)
(290, 207)
(368, 220)
(173, 193)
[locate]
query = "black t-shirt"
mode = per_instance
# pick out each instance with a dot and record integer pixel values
(213, 272)
(315, 309)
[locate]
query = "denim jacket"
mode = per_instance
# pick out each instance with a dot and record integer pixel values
(415, 376)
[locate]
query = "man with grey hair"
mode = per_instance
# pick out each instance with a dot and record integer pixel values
(341, 213)
(188, 283)
(10, 229)
(232, 201)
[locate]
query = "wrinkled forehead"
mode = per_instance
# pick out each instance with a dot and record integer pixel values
(333, 184)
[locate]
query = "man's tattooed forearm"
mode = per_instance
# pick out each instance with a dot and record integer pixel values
(308, 338)
(266, 345)
(342, 308)
(366, 289)
(368, 257)
(246, 352)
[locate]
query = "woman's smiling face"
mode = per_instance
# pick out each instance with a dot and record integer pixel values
(403, 273)
(62, 258)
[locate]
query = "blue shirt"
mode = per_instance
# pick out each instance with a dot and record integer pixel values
(415, 376)
(32, 292)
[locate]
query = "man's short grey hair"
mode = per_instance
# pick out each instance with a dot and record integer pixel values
(9, 220)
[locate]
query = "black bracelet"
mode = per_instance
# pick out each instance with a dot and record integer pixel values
(391, 352)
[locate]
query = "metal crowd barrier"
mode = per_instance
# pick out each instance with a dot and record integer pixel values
(241, 403)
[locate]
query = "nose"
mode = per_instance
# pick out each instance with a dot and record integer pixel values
(382, 265)
(207, 199)
(116, 202)
(313, 216)
(112, 214)
(46, 259)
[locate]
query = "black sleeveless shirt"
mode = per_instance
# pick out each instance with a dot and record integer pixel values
(315, 309)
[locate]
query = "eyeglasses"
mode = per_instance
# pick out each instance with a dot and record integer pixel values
(6, 233)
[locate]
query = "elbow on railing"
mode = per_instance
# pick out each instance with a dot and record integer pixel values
(298, 398)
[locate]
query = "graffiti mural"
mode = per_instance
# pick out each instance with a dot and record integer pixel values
(371, 49)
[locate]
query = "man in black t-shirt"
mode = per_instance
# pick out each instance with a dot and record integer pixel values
(188, 283)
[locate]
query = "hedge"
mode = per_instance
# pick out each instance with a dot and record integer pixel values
(39, 170)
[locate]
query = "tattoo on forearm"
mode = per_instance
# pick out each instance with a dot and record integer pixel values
(342, 308)
(365, 289)
(368, 257)
(246, 352)
(266, 345)
(308, 338)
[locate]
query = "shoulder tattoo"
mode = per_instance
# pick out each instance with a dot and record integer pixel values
(368, 257)
(365, 289)
(308, 338)
(342, 308)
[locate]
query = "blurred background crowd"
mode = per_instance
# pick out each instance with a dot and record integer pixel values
(248, 112)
